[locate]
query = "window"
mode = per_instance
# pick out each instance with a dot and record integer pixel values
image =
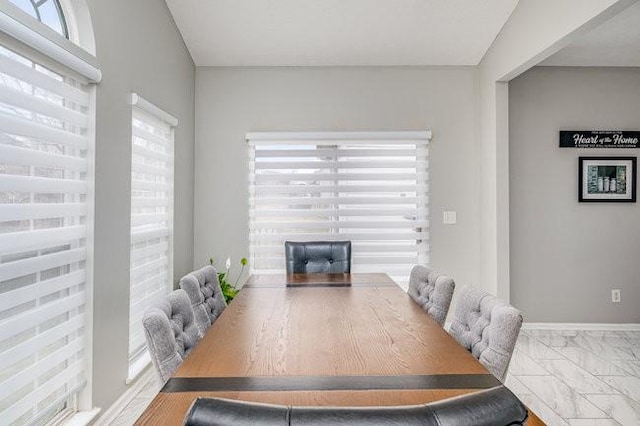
(46, 161)
(370, 188)
(49, 12)
(151, 219)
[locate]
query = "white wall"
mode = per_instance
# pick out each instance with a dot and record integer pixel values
(139, 49)
(233, 101)
(566, 256)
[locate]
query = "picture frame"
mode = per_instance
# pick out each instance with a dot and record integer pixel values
(607, 179)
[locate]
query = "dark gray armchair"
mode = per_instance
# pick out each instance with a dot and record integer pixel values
(318, 257)
(491, 407)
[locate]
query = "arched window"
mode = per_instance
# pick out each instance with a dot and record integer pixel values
(49, 12)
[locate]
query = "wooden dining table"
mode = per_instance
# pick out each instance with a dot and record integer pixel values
(321, 340)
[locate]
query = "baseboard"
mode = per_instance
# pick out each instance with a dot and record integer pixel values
(580, 326)
(116, 408)
(81, 418)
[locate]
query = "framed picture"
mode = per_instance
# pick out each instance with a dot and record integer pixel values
(607, 179)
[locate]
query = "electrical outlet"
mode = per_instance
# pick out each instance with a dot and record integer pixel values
(615, 296)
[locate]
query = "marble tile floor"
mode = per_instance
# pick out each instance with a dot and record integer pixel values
(568, 378)
(578, 378)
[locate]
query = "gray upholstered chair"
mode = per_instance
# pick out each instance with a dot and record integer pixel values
(496, 406)
(318, 257)
(203, 288)
(488, 327)
(432, 291)
(171, 332)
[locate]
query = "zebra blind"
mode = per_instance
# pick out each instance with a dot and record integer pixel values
(151, 223)
(370, 188)
(46, 159)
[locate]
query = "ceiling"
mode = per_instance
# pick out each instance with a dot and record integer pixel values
(615, 43)
(339, 32)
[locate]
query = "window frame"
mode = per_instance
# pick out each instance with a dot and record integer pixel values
(80, 401)
(37, 36)
(36, 4)
(31, 38)
(360, 155)
(137, 366)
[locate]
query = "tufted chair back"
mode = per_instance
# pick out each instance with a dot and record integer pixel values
(318, 257)
(432, 291)
(203, 288)
(488, 327)
(171, 332)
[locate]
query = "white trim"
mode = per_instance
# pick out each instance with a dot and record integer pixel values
(38, 36)
(136, 369)
(85, 397)
(81, 418)
(147, 106)
(580, 326)
(79, 25)
(119, 405)
(298, 136)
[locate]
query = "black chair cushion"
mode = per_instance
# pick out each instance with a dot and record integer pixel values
(318, 257)
(497, 406)
(225, 412)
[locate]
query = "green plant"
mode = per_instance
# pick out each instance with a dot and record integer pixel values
(230, 291)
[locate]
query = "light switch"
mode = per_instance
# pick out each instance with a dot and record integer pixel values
(449, 218)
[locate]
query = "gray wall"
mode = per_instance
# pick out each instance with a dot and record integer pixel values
(139, 49)
(567, 256)
(233, 101)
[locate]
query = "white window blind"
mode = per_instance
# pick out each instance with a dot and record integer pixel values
(370, 188)
(46, 157)
(151, 219)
